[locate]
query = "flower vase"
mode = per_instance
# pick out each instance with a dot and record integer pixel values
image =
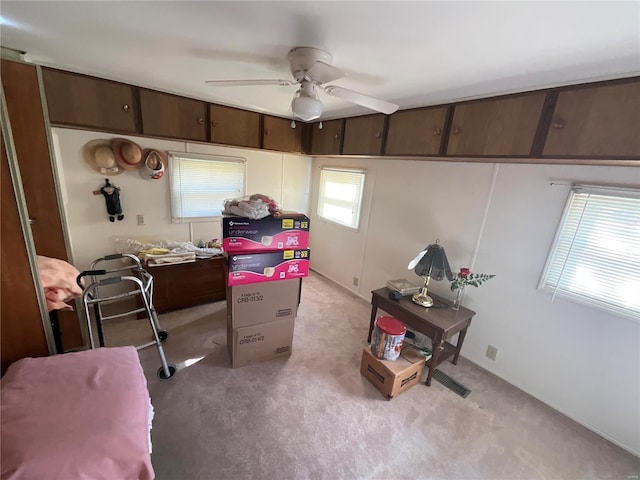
(458, 300)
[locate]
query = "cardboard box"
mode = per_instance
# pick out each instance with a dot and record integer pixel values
(256, 267)
(258, 343)
(393, 377)
(262, 302)
(288, 231)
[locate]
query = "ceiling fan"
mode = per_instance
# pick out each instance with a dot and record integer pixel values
(311, 69)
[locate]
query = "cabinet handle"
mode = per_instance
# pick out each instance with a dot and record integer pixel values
(214, 124)
(336, 137)
(437, 131)
(266, 132)
(200, 121)
(377, 135)
(455, 130)
(558, 124)
(126, 107)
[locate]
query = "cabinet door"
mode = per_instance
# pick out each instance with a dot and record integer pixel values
(20, 317)
(416, 132)
(22, 93)
(172, 116)
(232, 126)
(187, 284)
(498, 127)
(278, 135)
(327, 141)
(601, 121)
(89, 102)
(363, 135)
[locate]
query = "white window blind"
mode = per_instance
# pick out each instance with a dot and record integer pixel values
(340, 195)
(596, 254)
(201, 183)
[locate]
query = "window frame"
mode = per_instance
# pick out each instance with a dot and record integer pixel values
(584, 297)
(356, 170)
(174, 156)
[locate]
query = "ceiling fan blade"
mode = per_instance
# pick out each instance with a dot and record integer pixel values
(246, 83)
(361, 99)
(321, 72)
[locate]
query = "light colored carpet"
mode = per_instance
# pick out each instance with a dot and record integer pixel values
(313, 416)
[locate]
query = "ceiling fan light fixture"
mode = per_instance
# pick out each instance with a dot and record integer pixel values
(306, 108)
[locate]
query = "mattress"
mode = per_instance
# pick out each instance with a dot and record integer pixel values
(79, 415)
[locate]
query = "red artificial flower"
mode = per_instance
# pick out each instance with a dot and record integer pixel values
(464, 273)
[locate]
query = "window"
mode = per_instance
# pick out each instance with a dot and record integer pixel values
(340, 197)
(595, 257)
(201, 183)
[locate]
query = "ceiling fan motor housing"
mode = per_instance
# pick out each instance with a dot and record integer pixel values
(302, 58)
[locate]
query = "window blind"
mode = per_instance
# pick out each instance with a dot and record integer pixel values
(201, 183)
(340, 195)
(596, 253)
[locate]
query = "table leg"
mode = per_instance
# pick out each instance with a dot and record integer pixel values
(437, 348)
(459, 345)
(374, 310)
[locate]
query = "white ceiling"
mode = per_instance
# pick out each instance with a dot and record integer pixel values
(409, 53)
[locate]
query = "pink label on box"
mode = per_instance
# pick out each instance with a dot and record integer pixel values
(296, 268)
(290, 239)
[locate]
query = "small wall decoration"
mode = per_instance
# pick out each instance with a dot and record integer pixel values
(111, 194)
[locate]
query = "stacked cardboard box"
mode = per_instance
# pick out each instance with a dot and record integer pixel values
(266, 260)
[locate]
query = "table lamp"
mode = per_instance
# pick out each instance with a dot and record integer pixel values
(430, 263)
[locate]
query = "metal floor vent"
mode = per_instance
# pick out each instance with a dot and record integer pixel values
(451, 384)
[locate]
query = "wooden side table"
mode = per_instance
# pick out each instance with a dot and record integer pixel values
(439, 324)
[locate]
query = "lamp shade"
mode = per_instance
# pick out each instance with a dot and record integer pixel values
(306, 108)
(432, 262)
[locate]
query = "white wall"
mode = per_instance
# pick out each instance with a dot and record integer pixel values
(579, 360)
(284, 177)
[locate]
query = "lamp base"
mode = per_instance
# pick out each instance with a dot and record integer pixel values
(422, 299)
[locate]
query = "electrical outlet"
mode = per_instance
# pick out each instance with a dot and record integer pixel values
(355, 281)
(492, 352)
(140, 219)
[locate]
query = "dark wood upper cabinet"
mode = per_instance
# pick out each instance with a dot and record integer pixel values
(327, 140)
(602, 121)
(504, 126)
(416, 132)
(364, 135)
(278, 135)
(89, 102)
(167, 115)
(232, 126)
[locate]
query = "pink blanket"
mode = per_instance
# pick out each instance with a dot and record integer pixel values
(76, 416)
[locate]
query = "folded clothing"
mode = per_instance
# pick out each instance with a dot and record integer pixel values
(166, 258)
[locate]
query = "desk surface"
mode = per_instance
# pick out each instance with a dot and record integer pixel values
(444, 319)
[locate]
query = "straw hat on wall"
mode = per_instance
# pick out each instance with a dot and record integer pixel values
(100, 157)
(128, 154)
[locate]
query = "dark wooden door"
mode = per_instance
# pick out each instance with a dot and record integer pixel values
(89, 102)
(173, 116)
(278, 135)
(22, 94)
(363, 135)
(232, 126)
(328, 140)
(20, 320)
(601, 121)
(416, 132)
(504, 126)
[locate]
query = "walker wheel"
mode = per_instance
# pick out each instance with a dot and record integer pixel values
(163, 335)
(172, 371)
